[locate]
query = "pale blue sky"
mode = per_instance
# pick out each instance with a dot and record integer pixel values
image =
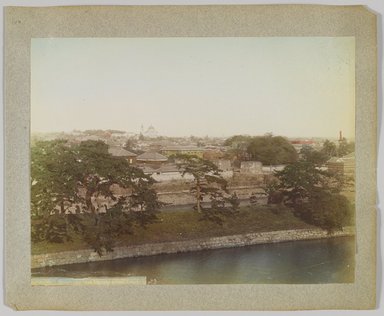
(195, 86)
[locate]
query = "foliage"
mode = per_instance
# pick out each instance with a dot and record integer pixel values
(56, 228)
(269, 149)
(131, 145)
(187, 225)
(237, 139)
(329, 149)
(326, 210)
(313, 156)
(53, 176)
(272, 150)
(82, 189)
(345, 147)
(313, 194)
(208, 182)
(238, 151)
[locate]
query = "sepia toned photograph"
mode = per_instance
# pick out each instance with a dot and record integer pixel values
(201, 160)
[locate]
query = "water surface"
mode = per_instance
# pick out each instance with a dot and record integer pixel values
(314, 261)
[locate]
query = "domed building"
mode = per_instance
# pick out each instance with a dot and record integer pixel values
(151, 132)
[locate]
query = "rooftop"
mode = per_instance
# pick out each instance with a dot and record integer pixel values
(163, 169)
(151, 156)
(345, 158)
(120, 152)
(194, 148)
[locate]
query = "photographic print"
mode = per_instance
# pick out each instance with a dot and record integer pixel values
(190, 157)
(193, 160)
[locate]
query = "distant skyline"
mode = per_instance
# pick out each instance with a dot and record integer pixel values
(295, 87)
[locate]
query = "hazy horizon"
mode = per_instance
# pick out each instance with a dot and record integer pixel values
(294, 87)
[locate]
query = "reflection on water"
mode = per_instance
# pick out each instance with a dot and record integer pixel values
(314, 261)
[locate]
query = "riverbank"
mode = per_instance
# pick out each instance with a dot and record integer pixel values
(150, 249)
(186, 225)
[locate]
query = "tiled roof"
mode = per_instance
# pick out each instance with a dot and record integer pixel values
(120, 152)
(151, 156)
(163, 169)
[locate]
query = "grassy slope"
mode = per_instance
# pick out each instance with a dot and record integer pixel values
(185, 225)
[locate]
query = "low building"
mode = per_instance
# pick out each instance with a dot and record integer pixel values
(223, 164)
(344, 165)
(166, 172)
(121, 152)
(152, 158)
(183, 150)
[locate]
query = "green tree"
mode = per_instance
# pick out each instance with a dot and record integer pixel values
(313, 194)
(238, 148)
(237, 139)
(208, 182)
(97, 195)
(272, 150)
(345, 147)
(329, 149)
(327, 210)
(53, 170)
(311, 155)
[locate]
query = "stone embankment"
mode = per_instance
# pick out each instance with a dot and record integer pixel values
(87, 255)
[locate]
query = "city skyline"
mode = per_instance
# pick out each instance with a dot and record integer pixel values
(137, 133)
(295, 87)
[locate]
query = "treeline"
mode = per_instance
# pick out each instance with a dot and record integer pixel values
(275, 150)
(81, 191)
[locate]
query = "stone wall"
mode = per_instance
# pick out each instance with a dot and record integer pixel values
(87, 255)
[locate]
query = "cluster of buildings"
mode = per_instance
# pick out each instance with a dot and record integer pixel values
(162, 167)
(153, 153)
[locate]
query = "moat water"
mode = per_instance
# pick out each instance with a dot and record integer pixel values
(300, 262)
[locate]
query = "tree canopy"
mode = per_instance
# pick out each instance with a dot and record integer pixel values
(344, 147)
(209, 182)
(272, 150)
(82, 189)
(313, 194)
(268, 149)
(317, 157)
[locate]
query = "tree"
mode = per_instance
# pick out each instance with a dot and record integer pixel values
(311, 155)
(329, 149)
(237, 139)
(345, 147)
(131, 145)
(327, 210)
(272, 150)
(208, 182)
(238, 151)
(53, 170)
(97, 195)
(313, 194)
